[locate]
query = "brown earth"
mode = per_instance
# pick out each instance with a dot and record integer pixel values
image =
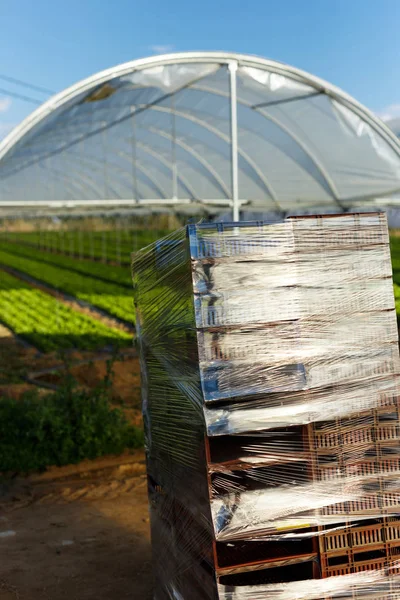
(15, 357)
(21, 366)
(77, 533)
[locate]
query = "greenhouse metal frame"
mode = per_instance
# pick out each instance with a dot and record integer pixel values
(201, 129)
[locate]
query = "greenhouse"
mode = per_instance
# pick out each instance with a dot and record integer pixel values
(200, 304)
(194, 131)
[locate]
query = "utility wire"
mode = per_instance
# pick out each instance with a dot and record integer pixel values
(20, 96)
(37, 88)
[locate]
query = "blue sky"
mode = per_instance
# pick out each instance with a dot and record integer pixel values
(354, 44)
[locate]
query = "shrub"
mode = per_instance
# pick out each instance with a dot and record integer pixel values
(60, 428)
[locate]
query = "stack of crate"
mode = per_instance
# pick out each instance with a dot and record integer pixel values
(362, 445)
(270, 373)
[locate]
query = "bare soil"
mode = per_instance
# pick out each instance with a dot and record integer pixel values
(23, 368)
(77, 533)
(15, 357)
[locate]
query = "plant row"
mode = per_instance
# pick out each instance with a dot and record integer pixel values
(49, 324)
(110, 297)
(107, 245)
(105, 272)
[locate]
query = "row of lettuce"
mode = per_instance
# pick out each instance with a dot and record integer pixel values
(105, 272)
(113, 245)
(50, 324)
(114, 299)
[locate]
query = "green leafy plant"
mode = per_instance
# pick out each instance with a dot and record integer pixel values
(112, 298)
(63, 427)
(49, 324)
(105, 272)
(110, 244)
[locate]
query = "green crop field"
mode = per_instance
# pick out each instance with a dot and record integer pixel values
(108, 245)
(47, 323)
(110, 297)
(34, 264)
(114, 274)
(395, 251)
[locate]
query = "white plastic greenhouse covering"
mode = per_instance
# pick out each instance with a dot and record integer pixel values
(210, 128)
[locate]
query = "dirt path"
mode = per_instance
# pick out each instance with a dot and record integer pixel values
(88, 543)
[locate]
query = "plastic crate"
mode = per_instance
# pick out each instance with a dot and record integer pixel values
(353, 368)
(390, 465)
(250, 239)
(344, 569)
(212, 240)
(361, 539)
(352, 230)
(221, 275)
(268, 343)
(227, 380)
(364, 468)
(372, 503)
(340, 440)
(363, 506)
(244, 306)
(387, 432)
(392, 532)
(329, 472)
(275, 342)
(391, 500)
(360, 468)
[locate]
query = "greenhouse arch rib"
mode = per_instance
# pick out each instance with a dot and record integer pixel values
(218, 59)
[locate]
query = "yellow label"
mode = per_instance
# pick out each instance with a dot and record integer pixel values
(282, 525)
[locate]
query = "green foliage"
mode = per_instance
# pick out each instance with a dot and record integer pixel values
(112, 245)
(395, 254)
(112, 298)
(49, 324)
(114, 274)
(62, 428)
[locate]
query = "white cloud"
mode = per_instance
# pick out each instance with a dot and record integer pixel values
(160, 49)
(390, 112)
(5, 103)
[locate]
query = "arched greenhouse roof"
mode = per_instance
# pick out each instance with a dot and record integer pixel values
(202, 127)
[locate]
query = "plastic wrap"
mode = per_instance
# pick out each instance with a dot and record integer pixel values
(271, 378)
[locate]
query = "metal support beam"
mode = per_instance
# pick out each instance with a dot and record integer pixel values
(233, 67)
(218, 202)
(134, 172)
(173, 151)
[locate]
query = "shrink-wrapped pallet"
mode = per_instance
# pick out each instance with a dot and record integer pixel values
(270, 384)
